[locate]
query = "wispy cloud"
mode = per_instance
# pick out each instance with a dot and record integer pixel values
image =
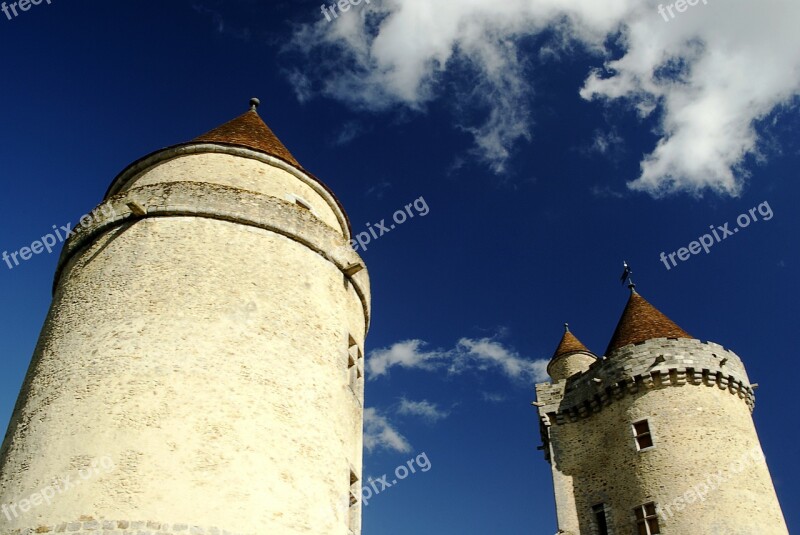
(707, 77)
(425, 409)
(378, 189)
(608, 143)
(606, 192)
(349, 131)
(220, 26)
(468, 354)
(379, 433)
(492, 397)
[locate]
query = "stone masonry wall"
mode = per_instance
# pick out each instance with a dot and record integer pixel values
(203, 347)
(697, 400)
(652, 364)
(122, 527)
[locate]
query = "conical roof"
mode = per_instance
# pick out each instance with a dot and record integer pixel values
(642, 321)
(249, 130)
(569, 344)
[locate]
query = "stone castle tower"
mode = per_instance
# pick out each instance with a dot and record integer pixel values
(656, 436)
(204, 346)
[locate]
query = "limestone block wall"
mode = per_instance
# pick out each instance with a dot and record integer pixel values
(697, 400)
(568, 365)
(123, 527)
(203, 347)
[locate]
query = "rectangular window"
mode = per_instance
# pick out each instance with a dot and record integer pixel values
(644, 438)
(647, 519)
(600, 520)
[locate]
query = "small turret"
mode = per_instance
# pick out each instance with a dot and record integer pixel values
(631, 439)
(570, 357)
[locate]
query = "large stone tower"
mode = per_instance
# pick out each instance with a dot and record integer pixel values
(200, 369)
(655, 437)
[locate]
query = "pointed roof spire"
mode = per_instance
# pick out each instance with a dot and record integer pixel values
(569, 344)
(561, 365)
(642, 321)
(249, 130)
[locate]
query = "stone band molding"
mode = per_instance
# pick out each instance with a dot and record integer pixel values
(653, 364)
(142, 165)
(214, 201)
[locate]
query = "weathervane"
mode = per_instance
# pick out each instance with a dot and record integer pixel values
(626, 275)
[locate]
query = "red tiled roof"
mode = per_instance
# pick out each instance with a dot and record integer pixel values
(569, 344)
(641, 321)
(248, 130)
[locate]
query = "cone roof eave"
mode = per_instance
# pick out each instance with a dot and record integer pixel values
(641, 321)
(569, 344)
(250, 131)
(247, 130)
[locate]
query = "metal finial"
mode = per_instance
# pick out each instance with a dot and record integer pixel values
(254, 104)
(626, 275)
(566, 327)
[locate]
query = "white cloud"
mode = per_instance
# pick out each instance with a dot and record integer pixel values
(380, 434)
(708, 74)
(427, 410)
(468, 354)
(486, 354)
(404, 354)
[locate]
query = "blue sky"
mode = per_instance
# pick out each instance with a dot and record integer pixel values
(550, 143)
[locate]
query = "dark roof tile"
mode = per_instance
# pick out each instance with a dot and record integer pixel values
(641, 321)
(569, 344)
(248, 130)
